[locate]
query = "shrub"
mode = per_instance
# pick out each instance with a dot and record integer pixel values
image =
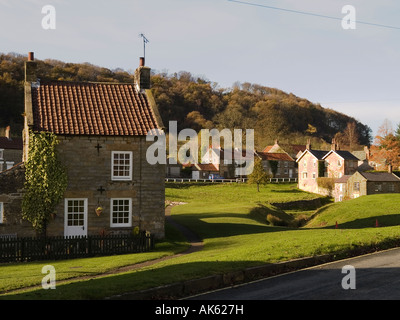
(327, 184)
(276, 221)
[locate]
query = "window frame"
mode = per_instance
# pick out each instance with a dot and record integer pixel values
(120, 225)
(358, 186)
(121, 178)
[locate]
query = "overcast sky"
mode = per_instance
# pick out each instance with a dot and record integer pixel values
(298, 46)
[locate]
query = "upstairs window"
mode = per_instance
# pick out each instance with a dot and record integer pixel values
(121, 165)
(356, 186)
(1, 154)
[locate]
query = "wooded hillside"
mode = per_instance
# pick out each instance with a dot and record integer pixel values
(194, 102)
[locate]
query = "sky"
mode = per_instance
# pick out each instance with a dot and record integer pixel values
(298, 46)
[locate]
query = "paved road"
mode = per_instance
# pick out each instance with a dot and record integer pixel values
(377, 277)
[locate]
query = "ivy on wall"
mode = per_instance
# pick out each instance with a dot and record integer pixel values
(46, 180)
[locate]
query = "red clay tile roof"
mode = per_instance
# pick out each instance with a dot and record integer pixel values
(68, 108)
(14, 143)
(275, 156)
(267, 148)
(206, 167)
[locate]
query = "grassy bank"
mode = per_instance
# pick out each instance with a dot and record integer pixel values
(234, 238)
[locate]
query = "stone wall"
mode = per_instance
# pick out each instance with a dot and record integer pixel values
(88, 162)
(11, 194)
(308, 164)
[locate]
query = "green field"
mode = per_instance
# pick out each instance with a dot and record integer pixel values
(231, 220)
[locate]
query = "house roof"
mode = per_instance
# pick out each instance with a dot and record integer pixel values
(14, 143)
(380, 176)
(345, 155)
(293, 149)
(342, 179)
(206, 167)
(275, 156)
(70, 108)
(318, 154)
(361, 155)
(232, 154)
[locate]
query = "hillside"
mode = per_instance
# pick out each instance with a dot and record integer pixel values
(193, 102)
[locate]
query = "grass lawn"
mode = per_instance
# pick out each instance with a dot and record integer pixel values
(234, 238)
(360, 213)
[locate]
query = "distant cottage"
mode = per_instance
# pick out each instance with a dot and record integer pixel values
(348, 173)
(101, 128)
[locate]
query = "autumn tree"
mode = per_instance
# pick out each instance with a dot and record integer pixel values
(259, 175)
(387, 145)
(349, 136)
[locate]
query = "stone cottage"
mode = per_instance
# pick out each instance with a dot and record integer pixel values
(101, 128)
(309, 169)
(278, 165)
(339, 163)
(366, 183)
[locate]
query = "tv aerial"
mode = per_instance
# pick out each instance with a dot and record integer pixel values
(145, 41)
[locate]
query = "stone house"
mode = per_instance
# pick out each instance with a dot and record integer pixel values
(224, 161)
(340, 163)
(340, 192)
(10, 151)
(203, 171)
(368, 183)
(101, 128)
(279, 165)
(293, 150)
(309, 169)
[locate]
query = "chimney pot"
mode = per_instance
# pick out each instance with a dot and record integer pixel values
(31, 56)
(308, 146)
(390, 168)
(141, 62)
(142, 76)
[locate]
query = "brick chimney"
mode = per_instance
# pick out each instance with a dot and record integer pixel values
(308, 146)
(367, 152)
(30, 68)
(30, 81)
(142, 76)
(334, 145)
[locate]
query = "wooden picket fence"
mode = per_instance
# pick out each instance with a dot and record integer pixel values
(62, 248)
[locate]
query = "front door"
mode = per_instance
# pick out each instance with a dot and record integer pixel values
(75, 217)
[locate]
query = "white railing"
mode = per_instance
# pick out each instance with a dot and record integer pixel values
(237, 180)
